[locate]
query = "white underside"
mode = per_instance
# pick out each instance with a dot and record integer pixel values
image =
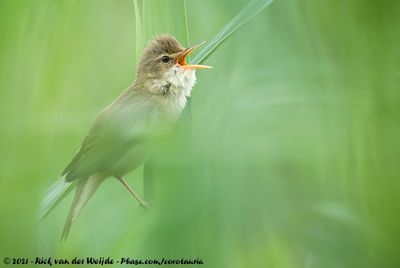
(179, 83)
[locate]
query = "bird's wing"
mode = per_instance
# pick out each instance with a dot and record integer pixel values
(113, 133)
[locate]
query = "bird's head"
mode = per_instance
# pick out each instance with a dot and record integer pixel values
(163, 63)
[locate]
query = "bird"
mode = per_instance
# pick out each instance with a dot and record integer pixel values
(122, 135)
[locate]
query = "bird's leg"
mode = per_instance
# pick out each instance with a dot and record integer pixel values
(142, 203)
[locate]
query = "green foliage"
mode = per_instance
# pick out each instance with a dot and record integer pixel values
(250, 11)
(154, 17)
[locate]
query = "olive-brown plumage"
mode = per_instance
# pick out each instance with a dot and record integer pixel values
(121, 137)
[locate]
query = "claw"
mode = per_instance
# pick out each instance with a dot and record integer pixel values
(142, 203)
(145, 205)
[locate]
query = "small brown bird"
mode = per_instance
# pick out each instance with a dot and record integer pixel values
(122, 134)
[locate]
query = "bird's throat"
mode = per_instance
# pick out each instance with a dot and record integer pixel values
(179, 81)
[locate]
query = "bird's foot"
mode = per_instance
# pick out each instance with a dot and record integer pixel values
(145, 205)
(142, 203)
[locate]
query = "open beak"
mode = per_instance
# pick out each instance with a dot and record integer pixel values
(181, 61)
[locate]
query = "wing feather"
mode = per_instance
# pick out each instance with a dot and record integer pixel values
(115, 130)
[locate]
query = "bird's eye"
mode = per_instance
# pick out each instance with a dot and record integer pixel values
(165, 59)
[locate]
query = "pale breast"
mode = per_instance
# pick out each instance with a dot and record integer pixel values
(180, 83)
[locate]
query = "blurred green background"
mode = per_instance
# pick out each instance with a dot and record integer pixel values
(295, 133)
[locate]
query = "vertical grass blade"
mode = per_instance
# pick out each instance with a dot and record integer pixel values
(159, 17)
(139, 30)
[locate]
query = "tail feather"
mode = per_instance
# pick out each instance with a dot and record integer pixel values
(53, 195)
(84, 190)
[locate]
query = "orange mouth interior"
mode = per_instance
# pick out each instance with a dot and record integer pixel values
(181, 61)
